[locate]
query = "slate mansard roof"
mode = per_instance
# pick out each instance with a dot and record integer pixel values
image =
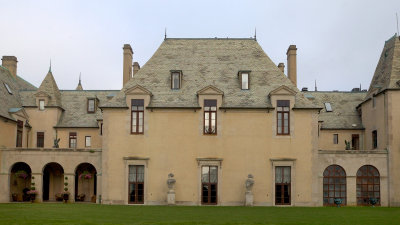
(206, 62)
(344, 114)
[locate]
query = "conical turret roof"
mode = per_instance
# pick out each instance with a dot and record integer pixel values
(49, 87)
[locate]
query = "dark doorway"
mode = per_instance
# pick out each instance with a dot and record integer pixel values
(85, 183)
(282, 185)
(53, 181)
(46, 185)
(209, 185)
(20, 181)
(136, 185)
(355, 141)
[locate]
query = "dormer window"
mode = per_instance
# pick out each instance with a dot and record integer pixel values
(244, 77)
(41, 104)
(8, 89)
(91, 105)
(328, 107)
(176, 80)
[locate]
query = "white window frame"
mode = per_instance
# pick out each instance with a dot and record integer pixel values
(88, 139)
(41, 106)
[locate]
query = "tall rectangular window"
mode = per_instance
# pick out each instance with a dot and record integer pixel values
(88, 141)
(175, 80)
(20, 128)
(136, 184)
(137, 116)
(335, 139)
(72, 140)
(210, 116)
(40, 139)
(245, 81)
(282, 185)
(355, 141)
(374, 139)
(41, 104)
(91, 105)
(283, 117)
(101, 129)
(209, 184)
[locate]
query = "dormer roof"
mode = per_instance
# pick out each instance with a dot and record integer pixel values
(49, 87)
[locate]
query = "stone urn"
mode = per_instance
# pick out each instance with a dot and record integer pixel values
(65, 197)
(373, 201)
(337, 201)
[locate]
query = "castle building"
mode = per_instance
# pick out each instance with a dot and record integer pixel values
(203, 122)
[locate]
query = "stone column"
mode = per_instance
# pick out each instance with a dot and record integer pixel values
(38, 186)
(171, 192)
(98, 190)
(71, 186)
(249, 194)
(351, 191)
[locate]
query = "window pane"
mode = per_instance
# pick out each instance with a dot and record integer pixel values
(205, 174)
(245, 81)
(286, 174)
(213, 174)
(91, 105)
(140, 173)
(88, 142)
(175, 81)
(140, 129)
(278, 175)
(41, 104)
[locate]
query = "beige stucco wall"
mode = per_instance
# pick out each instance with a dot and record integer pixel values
(8, 133)
(81, 133)
(173, 140)
(43, 121)
(394, 146)
(325, 139)
(375, 118)
(37, 159)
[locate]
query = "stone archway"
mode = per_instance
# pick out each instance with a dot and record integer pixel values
(85, 183)
(53, 181)
(20, 181)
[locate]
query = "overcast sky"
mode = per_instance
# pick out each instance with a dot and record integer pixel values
(339, 42)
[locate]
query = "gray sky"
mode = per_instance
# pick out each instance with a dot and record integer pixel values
(339, 42)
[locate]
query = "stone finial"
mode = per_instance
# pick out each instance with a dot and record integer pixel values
(171, 182)
(249, 182)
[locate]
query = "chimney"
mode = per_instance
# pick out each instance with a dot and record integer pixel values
(127, 69)
(136, 67)
(10, 62)
(292, 63)
(281, 66)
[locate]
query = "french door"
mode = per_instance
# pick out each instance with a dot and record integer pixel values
(209, 185)
(136, 185)
(282, 185)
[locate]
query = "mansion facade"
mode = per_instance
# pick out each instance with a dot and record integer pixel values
(203, 122)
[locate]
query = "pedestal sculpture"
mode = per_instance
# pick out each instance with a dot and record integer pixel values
(249, 187)
(171, 192)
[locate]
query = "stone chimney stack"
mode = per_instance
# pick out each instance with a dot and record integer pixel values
(10, 62)
(292, 63)
(127, 69)
(281, 66)
(136, 67)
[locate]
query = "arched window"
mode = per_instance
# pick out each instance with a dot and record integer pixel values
(368, 185)
(334, 184)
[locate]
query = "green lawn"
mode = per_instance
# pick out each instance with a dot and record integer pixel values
(48, 213)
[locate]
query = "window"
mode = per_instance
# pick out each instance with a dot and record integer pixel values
(8, 89)
(355, 141)
(245, 81)
(40, 139)
(41, 104)
(373, 101)
(282, 185)
(328, 107)
(334, 185)
(72, 140)
(101, 129)
(175, 80)
(209, 184)
(283, 119)
(136, 184)
(335, 139)
(91, 105)
(137, 116)
(20, 128)
(368, 185)
(88, 141)
(210, 116)
(374, 139)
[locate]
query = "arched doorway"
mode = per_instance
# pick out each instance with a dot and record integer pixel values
(85, 183)
(368, 185)
(334, 185)
(20, 181)
(53, 181)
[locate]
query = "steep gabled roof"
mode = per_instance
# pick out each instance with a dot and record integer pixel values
(49, 86)
(387, 73)
(344, 114)
(7, 100)
(206, 62)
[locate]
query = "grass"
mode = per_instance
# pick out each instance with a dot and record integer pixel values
(53, 213)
